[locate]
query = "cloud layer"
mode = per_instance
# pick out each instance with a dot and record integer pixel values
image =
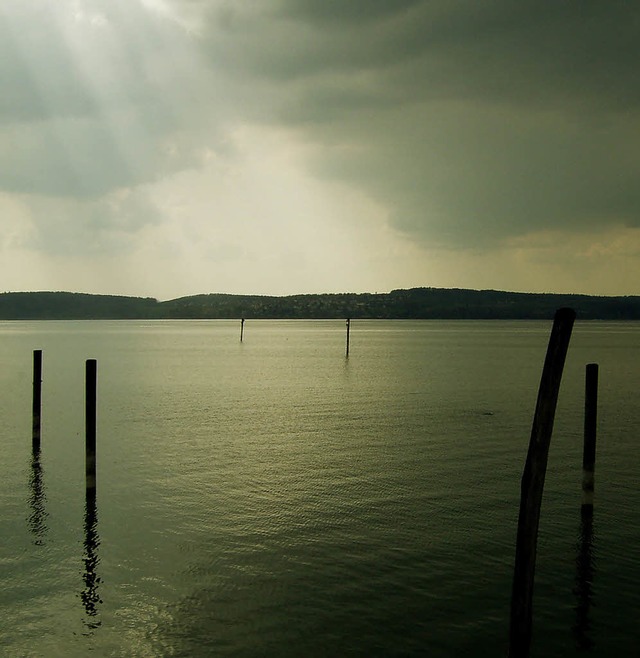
(472, 122)
(450, 129)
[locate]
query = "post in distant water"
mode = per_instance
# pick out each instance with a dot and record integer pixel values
(589, 451)
(532, 484)
(37, 398)
(90, 423)
(348, 331)
(241, 329)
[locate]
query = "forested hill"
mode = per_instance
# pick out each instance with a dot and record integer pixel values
(73, 306)
(415, 303)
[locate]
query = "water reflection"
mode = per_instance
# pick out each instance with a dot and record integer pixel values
(584, 582)
(37, 500)
(89, 595)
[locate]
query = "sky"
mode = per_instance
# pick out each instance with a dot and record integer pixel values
(166, 148)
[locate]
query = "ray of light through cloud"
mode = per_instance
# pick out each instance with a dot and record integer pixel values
(173, 147)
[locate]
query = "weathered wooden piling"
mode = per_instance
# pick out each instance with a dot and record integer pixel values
(90, 422)
(532, 484)
(589, 449)
(348, 333)
(37, 398)
(241, 329)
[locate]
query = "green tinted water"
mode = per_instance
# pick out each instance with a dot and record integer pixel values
(275, 498)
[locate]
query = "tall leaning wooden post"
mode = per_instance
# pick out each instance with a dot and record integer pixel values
(37, 399)
(532, 484)
(589, 450)
(90, 423)
(348, 331)
(241, 329)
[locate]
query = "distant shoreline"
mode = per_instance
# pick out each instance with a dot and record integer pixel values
(404, 304)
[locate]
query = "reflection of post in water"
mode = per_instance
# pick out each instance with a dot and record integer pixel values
(38, 515)
(90, 597)
(584, 583)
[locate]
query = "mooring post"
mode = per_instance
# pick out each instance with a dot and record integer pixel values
(532, 484)
(90, 423)
(348, 331)
(589, 451)
(241, 329)
(37, 398)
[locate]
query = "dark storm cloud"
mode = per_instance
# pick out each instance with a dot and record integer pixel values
(339, 11)
(471, 121)
(461, 48)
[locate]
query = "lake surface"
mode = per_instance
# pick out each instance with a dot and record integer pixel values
(274, 498)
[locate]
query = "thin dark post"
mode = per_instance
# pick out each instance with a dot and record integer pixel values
(241, 329)
(37, 397)
(90, 422)
(589, 452)
(533, 483)
(348, 331)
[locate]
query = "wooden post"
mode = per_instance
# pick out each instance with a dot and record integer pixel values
(348, 331)
(37, 398)
(589, 451)
(241, 329)
(533, 483)
(90, 423)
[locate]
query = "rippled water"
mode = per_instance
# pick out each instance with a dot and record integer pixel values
(273, 498)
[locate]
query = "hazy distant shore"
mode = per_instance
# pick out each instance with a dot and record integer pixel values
(414, 303)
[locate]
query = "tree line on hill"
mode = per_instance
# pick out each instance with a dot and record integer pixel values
(414, 303)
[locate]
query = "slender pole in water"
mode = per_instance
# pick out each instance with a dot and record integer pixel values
(90, 423)
(348, 330)
(37, 398)
(533, 483)
(241, 329)
(589, 451)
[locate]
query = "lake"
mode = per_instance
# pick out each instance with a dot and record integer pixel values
(274, 498)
